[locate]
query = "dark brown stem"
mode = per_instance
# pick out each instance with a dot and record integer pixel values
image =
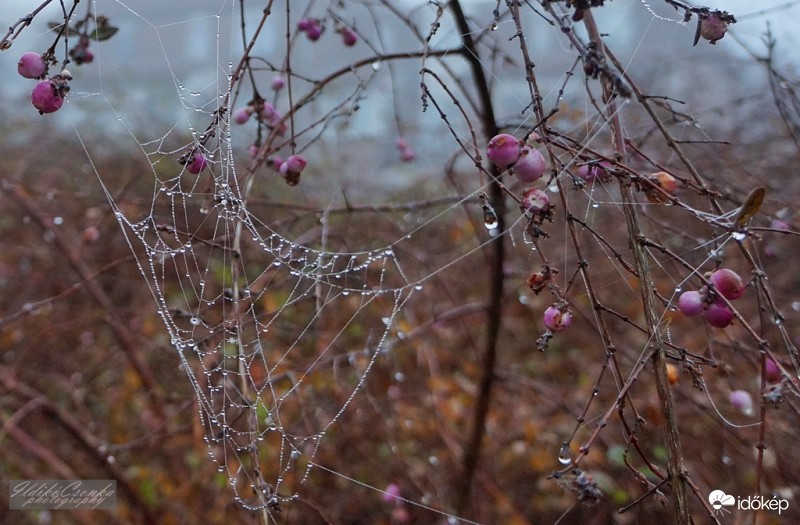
(496, 246)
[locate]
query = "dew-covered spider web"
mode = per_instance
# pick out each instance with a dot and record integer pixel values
(332, 323)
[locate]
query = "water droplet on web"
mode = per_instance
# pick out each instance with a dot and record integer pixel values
(345, 292)
(796, 306)
(386, 320)
(564, 456)
(739, 236)
(195, 321)
(376, 65)
(418, 287)
(595, 205)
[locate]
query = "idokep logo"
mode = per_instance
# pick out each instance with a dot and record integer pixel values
(719, 500)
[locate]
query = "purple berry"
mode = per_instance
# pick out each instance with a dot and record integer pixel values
(728, 283)
(252, 149)
(304, 24)
(401, 144)
(530, 166)
(349, 37)
(556, 320)
(242, 115)
(535, 201)
(595, 171)
(31, 65)
(713, 28)
(718, 314)
(742, 401)
(392, 493)
(314, 32)
(278, 82)
(197, 163)
(503, 150)
(46, 98)
(774, 374)
(691, 303)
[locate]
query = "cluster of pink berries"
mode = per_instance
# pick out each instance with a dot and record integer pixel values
(313, 29)
(47, 95)
(266, 112)
(505, 152)
(706, 301)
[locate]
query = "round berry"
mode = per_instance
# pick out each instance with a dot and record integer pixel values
(742, 401)
(46, 98)
(242, 115)
(718, 314)
(252, 150)
(691, 303)
(349, 37)
(728, 283)
(713, 28)
(556, 320)
(666, 182)
(314, 32)
(535, 201)
(268, 111)
(278, 82)
(197, 163)
(305, 23)
(530, 166)
(503, 150)
(31, 65)
(294, 164)
(773, 371)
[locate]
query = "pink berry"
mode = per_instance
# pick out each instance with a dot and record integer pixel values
(275, 161)
(314, 32)
(197, 163)
(401, 144)
(773, 372)
(595, 171)
(535, 201)
(530, 166)
(278, 82)
(392, 493)
(407, 154)
(252, 149)
(45, 97)
(742, 401)
(713, 28)
(268, 112)
(728, 283)
(304, 24)
(691, 303)
(31, 65)
(718, 314)
(503, 150)
(556, 320)
(242, 115)
(294, 164)
(349, 37)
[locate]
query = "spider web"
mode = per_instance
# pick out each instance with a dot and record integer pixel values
(280, 301)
